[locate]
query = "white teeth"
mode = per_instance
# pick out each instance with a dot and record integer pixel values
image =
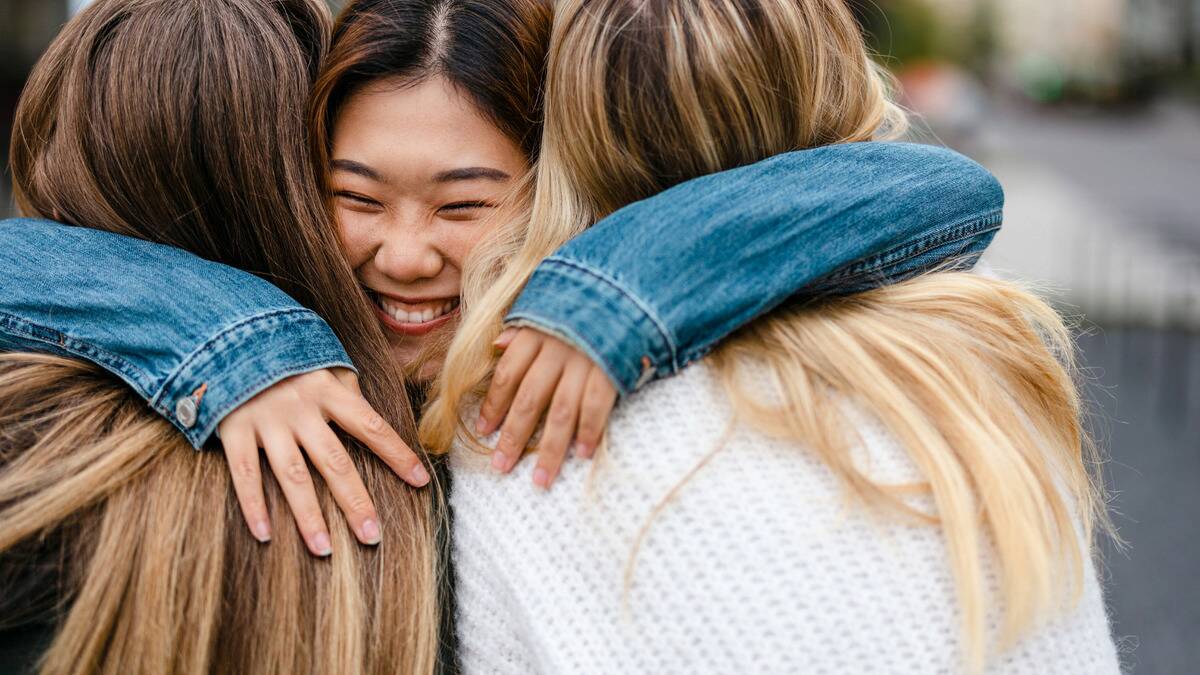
(401, 315)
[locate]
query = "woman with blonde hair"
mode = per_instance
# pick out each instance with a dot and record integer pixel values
(895, 481)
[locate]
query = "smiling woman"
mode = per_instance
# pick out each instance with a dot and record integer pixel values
(418, 175)
(427, 141)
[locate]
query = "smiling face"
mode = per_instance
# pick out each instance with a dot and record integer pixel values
(419, 176)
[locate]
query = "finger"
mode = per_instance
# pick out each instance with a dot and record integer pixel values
(341, 475)
(507, 378)
(355, 416)
(241, 451)
(291, 471)
(506, 338)
(599, 397)
(348, 378)
(561, 419)
(530, 401)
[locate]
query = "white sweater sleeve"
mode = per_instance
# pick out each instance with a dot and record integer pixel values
(759, 563)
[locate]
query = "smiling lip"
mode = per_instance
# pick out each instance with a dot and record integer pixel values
(411, 329)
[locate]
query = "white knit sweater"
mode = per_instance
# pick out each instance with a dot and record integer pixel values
(758, 565)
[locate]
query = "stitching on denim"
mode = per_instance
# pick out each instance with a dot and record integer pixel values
(898, 255)
(128, 372)
(599, 274)
(885, 270)
(227, 334)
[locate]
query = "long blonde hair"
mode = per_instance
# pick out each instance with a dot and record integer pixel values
(973, 376)
(125, 127)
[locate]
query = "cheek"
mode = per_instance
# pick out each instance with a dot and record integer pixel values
(358, 239)
(458, 242)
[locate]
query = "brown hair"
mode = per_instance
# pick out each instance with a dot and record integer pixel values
(181, 123)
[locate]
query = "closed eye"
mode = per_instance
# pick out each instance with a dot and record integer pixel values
(358, 199)
(464, 206)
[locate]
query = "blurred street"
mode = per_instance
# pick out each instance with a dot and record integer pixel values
(1102, 210)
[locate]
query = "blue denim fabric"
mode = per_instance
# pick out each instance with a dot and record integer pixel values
(173, 326)
(656, 283)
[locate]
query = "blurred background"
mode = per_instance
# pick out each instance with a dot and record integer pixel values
(1089, 113)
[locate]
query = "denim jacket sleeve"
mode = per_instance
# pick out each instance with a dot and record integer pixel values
(656, 285)
(194, 338)
(658, 282)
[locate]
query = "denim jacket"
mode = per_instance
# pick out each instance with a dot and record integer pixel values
(644, 292)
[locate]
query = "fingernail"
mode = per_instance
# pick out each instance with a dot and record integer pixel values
(499, 461)
(480, 425)
(584, 450)
(262, 531)
(321, 545)
(541, 478)
(370, 532)
(419, 475)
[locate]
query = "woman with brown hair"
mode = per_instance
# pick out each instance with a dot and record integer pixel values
(177, 123)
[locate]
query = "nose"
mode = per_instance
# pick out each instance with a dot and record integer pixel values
(409, 253)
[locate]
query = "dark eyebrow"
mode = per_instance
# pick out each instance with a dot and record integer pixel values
(358, 169)
(471, 173)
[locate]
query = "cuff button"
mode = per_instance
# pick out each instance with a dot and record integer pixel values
(186, 411)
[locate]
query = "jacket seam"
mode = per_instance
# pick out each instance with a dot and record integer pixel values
(208, 346)
(958, 232)
(664, 333)
(130, 373)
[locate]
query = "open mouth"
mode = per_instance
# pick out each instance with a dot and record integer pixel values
(415, 317)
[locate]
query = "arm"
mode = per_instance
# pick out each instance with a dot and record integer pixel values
(194, 338)
(197, 339)
(656, 285)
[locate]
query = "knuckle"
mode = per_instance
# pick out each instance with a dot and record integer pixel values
(245, 468)
(257, 508)
(561, 414)
(507, 444)
(589, 430)
(340, 463)
(296, 472)
(503, 377)
(359, 505)
(525, 405)
(374, 422)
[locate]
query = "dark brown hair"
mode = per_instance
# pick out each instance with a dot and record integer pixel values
(182, 122)
(494, 51)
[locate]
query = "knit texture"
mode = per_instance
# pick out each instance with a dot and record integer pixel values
(759, 564)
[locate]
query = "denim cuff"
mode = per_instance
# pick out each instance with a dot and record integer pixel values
(595, 313)
(242, 361)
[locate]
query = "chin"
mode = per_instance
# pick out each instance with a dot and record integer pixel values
(416, 363)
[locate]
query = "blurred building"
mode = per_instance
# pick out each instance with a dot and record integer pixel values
(1097, 47)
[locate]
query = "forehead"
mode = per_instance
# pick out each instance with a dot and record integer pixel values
(427, 127)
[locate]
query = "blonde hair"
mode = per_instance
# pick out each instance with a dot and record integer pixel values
(973, 376)
(154, 570)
